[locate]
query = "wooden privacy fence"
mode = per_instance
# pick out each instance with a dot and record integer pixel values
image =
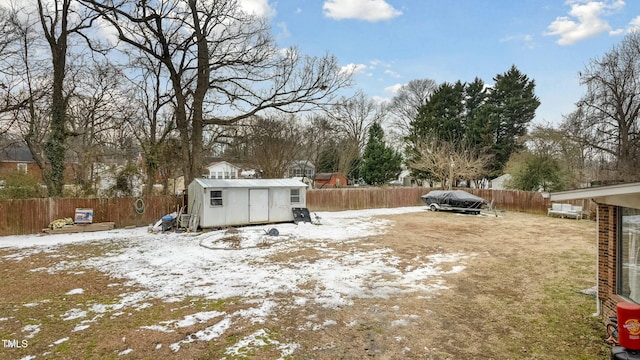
(30, 216)
(363, 198)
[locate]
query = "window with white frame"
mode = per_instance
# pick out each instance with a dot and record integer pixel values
(629, 253)
(295, 196)
(219, 174)
(22, 168)
(215, 198)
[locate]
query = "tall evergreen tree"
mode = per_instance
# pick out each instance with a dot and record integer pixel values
(488, 121)
(380, 162)
(511, 105)
(476, 129)
(442, 117)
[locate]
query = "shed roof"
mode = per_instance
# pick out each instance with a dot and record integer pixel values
(250, 183)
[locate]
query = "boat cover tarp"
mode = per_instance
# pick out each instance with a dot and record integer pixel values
(454, 198)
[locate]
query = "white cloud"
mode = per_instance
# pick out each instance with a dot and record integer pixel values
(375, 62)
(392, 73)
(380, 99)
(284, 31)
(393, 89)
(585, 20)
(524, 39)
(354, 69)
(370, 10)
(634, 25)
(258, 7)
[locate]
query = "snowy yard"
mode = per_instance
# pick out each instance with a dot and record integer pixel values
(253, 280)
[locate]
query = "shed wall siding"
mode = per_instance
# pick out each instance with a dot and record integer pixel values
(236, 209)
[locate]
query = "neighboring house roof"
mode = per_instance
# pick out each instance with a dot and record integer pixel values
(217, 163)
(19, 154)
(498, 183)
(249, 183)
(324, 176)
(613, 194)
(302, 164)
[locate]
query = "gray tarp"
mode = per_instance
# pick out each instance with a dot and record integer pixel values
(454, 198)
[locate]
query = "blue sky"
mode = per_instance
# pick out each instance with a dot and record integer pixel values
(390, 42)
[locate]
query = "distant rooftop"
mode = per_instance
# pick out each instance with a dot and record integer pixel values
(18, 154)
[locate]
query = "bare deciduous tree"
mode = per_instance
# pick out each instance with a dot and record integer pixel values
(318, 133)
(14, 38)
(96, 111)
(25, 83)
(222, 64)
(406, 104)
(153, 122)
(60, 20)
(274, 143)
(610, 109)
(447, 163)
(352, 118)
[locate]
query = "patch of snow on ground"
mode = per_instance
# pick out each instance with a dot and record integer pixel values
(189, 320)
(125, 352)
(206, 334)
(259, 338)
(80, 327)
(75, 292)
(32, 330)
(175, 266)
(74, 314)
(60, 341)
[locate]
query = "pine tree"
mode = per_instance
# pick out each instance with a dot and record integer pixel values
(511, 106)
(380, 163)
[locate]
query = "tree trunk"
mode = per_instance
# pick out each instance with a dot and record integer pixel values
(55, 145)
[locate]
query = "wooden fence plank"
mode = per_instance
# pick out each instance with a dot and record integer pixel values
(30, 216)
(363, 198)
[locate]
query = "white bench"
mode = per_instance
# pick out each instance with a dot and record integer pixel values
(565, 210)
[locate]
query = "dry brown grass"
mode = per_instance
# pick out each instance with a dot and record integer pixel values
(516, 298)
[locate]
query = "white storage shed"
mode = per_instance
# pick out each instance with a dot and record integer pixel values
(231, 202)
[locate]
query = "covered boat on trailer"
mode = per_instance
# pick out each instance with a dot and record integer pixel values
(453, 200)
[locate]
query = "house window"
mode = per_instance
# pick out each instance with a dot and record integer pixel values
(297, 172)
(226, 175)
(629, 251)
(295, 196)
(22, 168)
(234, 174)
(309, 173)
(216, 197)
(219, 174)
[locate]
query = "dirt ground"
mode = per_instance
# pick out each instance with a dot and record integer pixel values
(516, 298)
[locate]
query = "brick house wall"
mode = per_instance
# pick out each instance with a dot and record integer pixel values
(9, 167)
(608, 228)
(607, 246)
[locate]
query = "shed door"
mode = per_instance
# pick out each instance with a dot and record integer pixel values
(258, 205)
